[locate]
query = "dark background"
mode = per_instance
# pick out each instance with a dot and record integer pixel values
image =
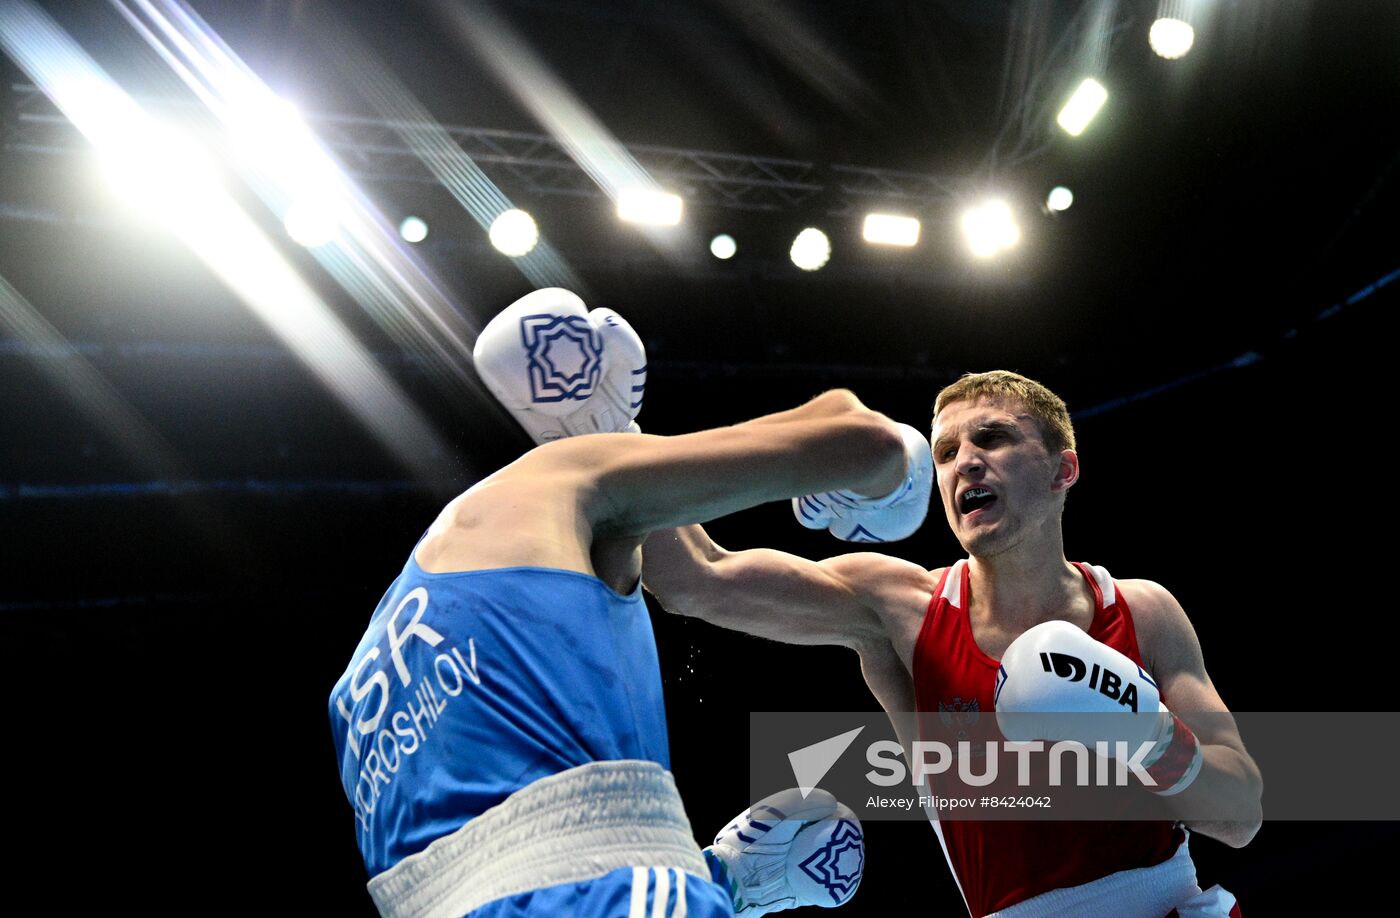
(171, 636)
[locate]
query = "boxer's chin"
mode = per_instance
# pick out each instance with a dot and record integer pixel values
(984, 540)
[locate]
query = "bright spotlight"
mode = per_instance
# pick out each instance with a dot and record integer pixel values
(514, 233)
(213, 224)
(156, 175)
(270, 132)
(723, 246)
(413, 229)
(653, 208)
(1060, 198)
(1082, 107)
(1171, 38)
(887, 229)
(990, 229)
(811, 249)
(309, 224)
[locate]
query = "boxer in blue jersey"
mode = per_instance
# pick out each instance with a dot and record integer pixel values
(500, 727)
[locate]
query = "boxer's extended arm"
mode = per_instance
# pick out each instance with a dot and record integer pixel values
(558, 502)
(761, 591)
(641, 483)
(769, 593)
(1229, 777)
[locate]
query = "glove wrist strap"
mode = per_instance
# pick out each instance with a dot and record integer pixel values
(1179, 762)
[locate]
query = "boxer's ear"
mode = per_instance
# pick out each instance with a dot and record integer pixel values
(1066, 471)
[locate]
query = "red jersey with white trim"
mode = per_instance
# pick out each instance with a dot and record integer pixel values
(1000, 863)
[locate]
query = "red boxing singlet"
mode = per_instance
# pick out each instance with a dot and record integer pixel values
(997, 864)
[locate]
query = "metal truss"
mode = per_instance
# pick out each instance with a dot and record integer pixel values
(375, 150)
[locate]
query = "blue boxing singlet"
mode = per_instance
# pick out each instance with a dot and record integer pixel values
(468, 686)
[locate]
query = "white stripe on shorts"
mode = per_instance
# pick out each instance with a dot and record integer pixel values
(642, 883)
(638, 905)
(662, 893)
(680, 895)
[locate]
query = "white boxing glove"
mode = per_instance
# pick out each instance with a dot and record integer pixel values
(786, 851)
(1057, 669)
(561, 370)
(897, 515)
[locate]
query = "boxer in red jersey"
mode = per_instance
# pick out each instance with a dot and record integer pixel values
(1004, 460)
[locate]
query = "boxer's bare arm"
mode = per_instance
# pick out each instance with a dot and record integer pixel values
(1229, 780)
(869, 602)
(759, 591)
(550, 507)
(855, 600)
(673, 481)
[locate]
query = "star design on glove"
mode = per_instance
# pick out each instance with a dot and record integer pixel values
(837, 864)
(566, 361)
(565, 357)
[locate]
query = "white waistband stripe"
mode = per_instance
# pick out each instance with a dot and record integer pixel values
(577, 825)
(1143, 893)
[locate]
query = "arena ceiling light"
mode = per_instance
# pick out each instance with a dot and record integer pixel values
(1059, 199)
(888, 229)
(171, 179)
(990, 228)
(811, 250)
(1081, 108)
(1171, 38)
(270, 132)
(309, 224)
(649, 206)
(723, 246)
(514, 233)
(413, 229)
(155, 169)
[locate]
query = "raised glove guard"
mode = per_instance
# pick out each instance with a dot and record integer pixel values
(561, 370)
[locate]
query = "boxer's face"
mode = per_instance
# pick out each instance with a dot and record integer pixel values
(997, 480)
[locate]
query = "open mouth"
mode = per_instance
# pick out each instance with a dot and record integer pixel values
(974, 499)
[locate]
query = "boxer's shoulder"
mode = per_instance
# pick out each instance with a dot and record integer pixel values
(481, 529)
(560, 474)
(1150, 602)
(878, 576)
(897, 590)
(1164, 632)
(1141, 594)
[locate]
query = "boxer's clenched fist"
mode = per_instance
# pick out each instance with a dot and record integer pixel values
(883, 518)
(788, 850)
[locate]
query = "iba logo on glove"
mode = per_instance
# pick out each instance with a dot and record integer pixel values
(1104, 681)
(564, 357)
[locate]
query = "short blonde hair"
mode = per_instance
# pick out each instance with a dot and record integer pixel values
(1046, 407)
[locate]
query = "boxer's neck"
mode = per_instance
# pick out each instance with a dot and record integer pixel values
(1020, 588)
